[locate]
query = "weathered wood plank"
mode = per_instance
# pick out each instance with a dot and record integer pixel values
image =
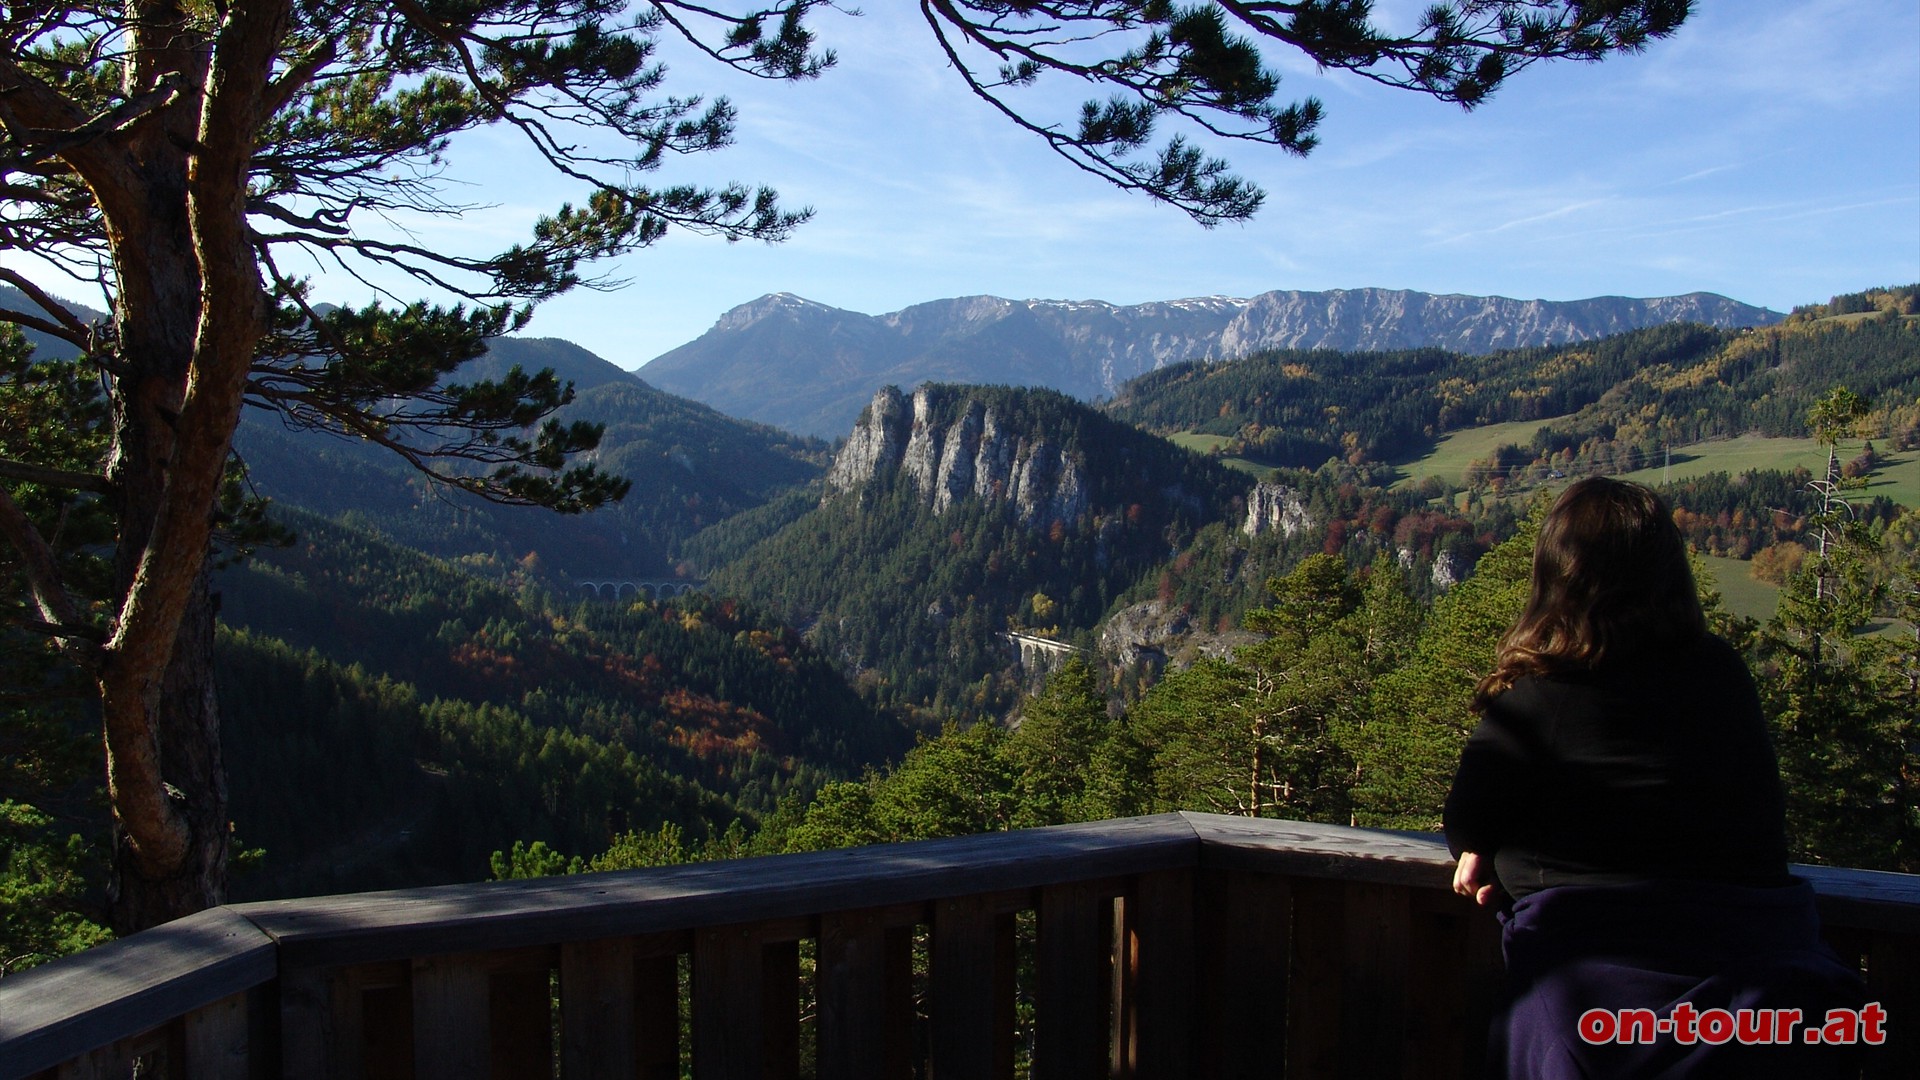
(852, 995)
(1373, 1012)
(1160, 982)
(1242, 926)
(1316, 977)
(58, 1011)
(728, 1035)
(656, 1016)
(308, 1032)
(112, 1062)
(219, 1039)
(965, 1011)
(1072, 991)
(1865, 899)
(1450, 983)
(520, 1016)
(471, 918)
(452, 1018)
(899, 1011)
(597, 1010)
(1329, 852)
(382, 1000)
(780, 1009)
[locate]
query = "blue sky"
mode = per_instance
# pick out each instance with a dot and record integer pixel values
(1769, 152)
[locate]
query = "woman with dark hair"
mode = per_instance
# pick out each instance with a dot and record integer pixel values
(1621, 791)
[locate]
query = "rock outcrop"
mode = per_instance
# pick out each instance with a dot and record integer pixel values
(952, 457)
(1275, 507)
(1151, 636)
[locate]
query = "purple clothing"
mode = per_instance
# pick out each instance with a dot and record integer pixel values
(1656, 945)
(1635, 813)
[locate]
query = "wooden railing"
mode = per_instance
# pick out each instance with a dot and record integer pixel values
(1180, 945)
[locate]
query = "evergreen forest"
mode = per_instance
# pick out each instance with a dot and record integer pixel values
(415, 689)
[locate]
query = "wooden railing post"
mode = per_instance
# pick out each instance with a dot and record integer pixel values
(452, 1036)
(1158, 962)
(1072, 988)
(971, 1005)
(728, 1035)
(1316, 975)
(865, 1009)
(1243, 933)
(780, 1009)
(597, 996)
(656, 1015)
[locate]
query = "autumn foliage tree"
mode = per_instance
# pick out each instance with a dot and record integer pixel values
(182, 157)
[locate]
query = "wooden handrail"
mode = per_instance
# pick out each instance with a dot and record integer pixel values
(1168, 932)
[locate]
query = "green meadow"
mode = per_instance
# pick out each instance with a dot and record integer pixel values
(1740, 593)
(1898, 477)
(1450, 456)
(1207, 444)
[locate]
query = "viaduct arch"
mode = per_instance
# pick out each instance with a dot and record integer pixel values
(616, 589)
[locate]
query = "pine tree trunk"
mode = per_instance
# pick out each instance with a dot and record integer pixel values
(188, 728)
(162, 726)
(190, 311)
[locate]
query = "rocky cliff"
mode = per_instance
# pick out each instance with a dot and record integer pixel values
(1275, 507)
(956, 449)
(808, 367)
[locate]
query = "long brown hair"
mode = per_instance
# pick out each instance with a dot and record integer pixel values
(1610, 578)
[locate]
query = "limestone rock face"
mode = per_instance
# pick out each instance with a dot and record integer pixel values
(1276, 506)
(876, 445)
(972, 456)
(1154, 636)
(954, 481)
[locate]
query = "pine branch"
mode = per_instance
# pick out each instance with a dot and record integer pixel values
(58, 478)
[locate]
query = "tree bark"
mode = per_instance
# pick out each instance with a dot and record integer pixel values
(190, 313)
(144, 892)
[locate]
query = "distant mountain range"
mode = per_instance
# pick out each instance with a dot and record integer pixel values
(810, 368)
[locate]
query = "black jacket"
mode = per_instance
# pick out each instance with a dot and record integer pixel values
(1651, 768)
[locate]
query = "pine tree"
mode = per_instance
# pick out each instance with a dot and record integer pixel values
(1054, 749)
(1841, 701)
(184, 156)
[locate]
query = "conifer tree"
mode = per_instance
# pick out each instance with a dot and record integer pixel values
(1054, 749)
(185, 157)
(1841, 701)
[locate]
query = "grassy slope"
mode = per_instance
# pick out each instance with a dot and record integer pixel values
(1206, 444)
(1897, 479)
(1739, 592)
(1451, 455)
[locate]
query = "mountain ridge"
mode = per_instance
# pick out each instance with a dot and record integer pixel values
(795, 363)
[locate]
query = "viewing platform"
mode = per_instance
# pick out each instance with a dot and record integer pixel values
(1178, 945)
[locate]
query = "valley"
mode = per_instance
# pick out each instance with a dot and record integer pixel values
(1333, 536)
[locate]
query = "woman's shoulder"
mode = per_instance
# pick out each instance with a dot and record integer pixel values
(1707, 657)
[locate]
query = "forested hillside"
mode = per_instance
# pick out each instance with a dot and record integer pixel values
(908, 574)
(1615, 402)
(690, 466)
(433, 716)
(1348, 708)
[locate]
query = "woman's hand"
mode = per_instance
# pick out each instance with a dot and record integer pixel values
(1473, 877)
